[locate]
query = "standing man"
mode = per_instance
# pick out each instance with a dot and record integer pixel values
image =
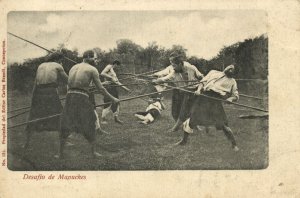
(206, 111)
(180, 70)
(110, 77)
(78, 114)
(45, 100)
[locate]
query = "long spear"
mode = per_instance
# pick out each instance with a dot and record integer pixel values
(13, 116)
(114, 85)
(248, 96)
(249, 79)
(213, 98)
(92, 87)
(121, 100)
(135, 75)
(243, 95)
(26, 107)
(130, 74)
(39, 46)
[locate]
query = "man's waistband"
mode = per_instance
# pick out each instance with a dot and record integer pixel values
(78, 91)
(47, 85)
(213, 93)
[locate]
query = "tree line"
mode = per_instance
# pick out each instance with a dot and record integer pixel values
(250, 57)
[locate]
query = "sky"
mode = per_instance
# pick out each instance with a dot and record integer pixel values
(203, 33)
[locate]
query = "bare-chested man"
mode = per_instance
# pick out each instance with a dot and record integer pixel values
(78, 114)
(110, 76)
(45, 100)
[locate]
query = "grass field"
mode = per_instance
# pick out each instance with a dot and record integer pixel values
(134, 146)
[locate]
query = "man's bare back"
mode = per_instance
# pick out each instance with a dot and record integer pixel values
(48, 73)
(81, 75)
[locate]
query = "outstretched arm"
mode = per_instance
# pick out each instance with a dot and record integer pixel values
(113, 76)
(198, 74)
(162, 73)
(199, 89)
(234, 94)
(165, 75)
(100, 87)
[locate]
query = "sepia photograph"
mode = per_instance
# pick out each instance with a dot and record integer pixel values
(137, 90)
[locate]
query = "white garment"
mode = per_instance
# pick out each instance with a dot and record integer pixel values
(161, 87)
(97, 122)
(107, 110)
(155, 105)
(191, 72)
(218, 82)
(186, 126)
(149, 117)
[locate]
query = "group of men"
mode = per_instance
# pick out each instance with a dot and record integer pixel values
(79, 113)
(201, 105)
